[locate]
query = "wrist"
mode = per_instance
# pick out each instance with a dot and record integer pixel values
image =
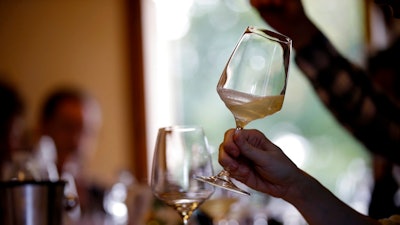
(301, 188)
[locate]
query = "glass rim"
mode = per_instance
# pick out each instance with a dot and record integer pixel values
(270, 34)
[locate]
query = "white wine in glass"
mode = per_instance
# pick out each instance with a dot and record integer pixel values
(247, 107)
(253, 83)
(181, 154)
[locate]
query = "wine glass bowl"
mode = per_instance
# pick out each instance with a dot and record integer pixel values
(253, 83)
(181, 154)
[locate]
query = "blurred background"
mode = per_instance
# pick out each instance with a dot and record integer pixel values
(48, 44)
(155, 63)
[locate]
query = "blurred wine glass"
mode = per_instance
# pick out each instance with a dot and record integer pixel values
(219, 206)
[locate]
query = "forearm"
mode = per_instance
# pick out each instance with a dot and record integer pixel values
(349, 94)
(320, 207)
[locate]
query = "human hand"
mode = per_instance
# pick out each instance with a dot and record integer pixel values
(287, 17)
(255, 161)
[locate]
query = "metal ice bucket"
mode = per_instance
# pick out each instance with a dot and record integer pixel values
(32, 202)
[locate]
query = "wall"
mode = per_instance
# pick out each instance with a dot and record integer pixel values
(47, 43)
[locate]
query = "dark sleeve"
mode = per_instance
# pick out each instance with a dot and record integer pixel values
(349, 94)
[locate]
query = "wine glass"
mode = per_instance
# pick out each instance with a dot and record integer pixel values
(253, 83)
(181, 153)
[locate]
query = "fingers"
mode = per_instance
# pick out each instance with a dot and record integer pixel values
(228, 151)
(226, 161)
(253, 145)
(229, 145)
(240, 146)
(236, 166)
(251, 139)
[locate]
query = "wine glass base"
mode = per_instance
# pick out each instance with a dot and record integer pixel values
(222, 183)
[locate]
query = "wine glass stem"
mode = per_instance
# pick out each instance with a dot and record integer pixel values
(224, 175)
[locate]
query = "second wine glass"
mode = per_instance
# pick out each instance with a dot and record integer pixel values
(181, 154)
(253, 83)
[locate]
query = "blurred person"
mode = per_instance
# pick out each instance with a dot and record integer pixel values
(365, 101)
(13, 130)
(254, 160)
(72, 119)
